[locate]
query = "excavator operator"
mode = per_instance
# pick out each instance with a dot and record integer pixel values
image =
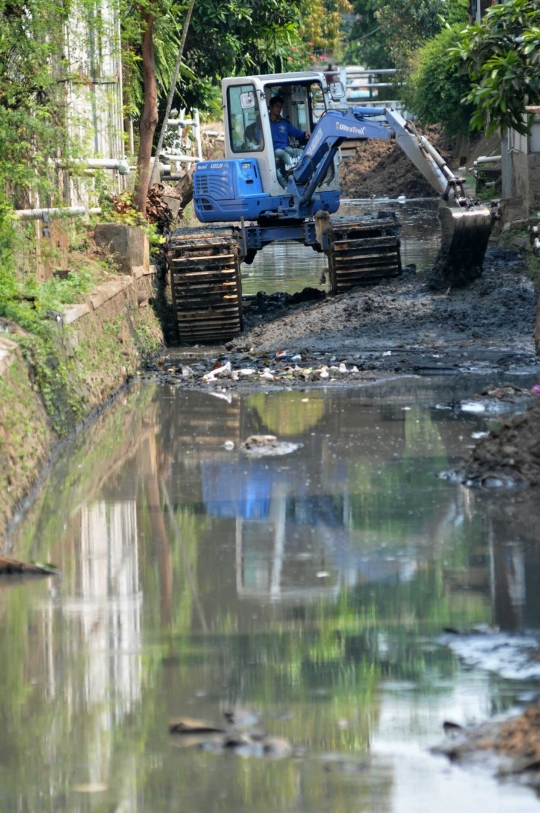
(281, 131)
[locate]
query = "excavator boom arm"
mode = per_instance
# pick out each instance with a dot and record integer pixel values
(336, 126)
(465, 227)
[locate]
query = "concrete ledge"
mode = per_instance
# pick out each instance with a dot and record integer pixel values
(128, 244)
(103, 293)
(140, 271)
(72, 314)
(8, 344)
(108, 290)
(6, 360)
(9, 351)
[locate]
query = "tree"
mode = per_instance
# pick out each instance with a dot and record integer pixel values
(502, 58)
(321, 24)
(224, 37)
(387, 31)
(367, 44)
(434, 88)
(149, 117)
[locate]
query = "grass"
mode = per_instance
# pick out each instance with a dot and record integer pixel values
(532, 266)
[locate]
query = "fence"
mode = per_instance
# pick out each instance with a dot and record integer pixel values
(366, 86)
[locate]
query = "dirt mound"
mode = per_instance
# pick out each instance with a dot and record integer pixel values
(381, 169)
(510, 455)
(500, 308)
(511, 747)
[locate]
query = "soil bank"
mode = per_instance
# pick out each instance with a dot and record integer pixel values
(396, 328)
(98, 347)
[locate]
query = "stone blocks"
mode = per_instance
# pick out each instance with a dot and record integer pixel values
(128, 244)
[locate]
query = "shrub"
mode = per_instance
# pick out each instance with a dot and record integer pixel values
(435, 87)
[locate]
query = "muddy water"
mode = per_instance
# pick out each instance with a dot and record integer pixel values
(291, 267)
(311, 588)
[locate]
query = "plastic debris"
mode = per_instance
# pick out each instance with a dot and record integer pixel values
(187, 725)
(471, 406)
(223, 370)
(13, 567)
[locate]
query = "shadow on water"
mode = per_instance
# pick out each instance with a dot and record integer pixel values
(311, 587)
(291, 267)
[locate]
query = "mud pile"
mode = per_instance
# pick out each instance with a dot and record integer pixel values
(498, 309)
(510, 455)
(511, 747)
(381, 169)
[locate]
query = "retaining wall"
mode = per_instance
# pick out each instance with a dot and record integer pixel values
(100, 344)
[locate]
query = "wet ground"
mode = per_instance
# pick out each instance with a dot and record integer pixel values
(399, 326)
(313, 588)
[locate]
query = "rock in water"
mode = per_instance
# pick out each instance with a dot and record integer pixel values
(187, 725)
(13, 567)
(267, 446)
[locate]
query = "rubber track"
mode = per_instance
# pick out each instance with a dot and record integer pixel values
(363, 250)
(205, 284)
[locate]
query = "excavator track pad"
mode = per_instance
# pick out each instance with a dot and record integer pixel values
(205, 285)
(362, 250)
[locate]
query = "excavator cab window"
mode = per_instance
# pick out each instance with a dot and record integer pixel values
(244, 119)
(303, 103)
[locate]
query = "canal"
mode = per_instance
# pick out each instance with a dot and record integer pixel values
(290, 267)
(311, 588)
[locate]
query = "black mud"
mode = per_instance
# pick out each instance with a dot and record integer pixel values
(394, 328)
(509, 456)
(498, 309)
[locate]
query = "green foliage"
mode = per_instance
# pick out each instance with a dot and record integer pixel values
(502, 58)
(321, 25)
(34, 307)
(434, 87)
(367, 44)
(226, 37)
(123, 211)
(398, 27)
(31, 103)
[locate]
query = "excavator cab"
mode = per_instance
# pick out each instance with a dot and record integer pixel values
(247, 184)
(306, 96)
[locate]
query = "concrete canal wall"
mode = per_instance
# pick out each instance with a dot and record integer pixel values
(98, 347)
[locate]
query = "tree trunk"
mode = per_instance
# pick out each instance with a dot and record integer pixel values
(149, 118)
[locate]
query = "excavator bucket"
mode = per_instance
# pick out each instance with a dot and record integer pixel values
(464, 239)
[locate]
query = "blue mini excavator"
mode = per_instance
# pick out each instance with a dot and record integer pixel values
(249, 200)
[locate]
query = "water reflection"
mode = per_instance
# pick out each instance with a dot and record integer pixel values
(310, 587)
